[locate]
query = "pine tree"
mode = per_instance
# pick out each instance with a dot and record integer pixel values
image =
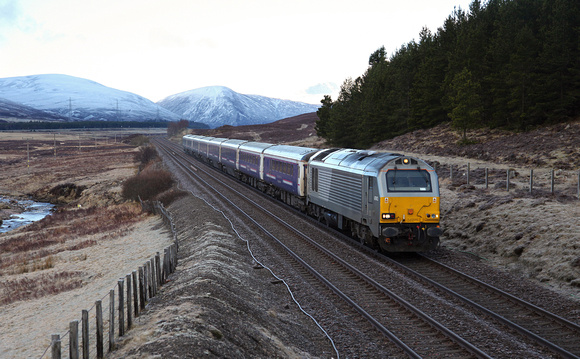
(466, 103)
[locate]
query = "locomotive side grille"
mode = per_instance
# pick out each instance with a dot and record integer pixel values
(340, 188)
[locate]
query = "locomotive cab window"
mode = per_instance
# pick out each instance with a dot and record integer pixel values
(408, 181)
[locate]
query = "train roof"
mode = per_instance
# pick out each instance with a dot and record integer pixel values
(233, 143)
(290, 152)
(258, 147)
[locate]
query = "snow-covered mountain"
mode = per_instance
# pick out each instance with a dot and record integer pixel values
(218, 105)
(13, 110)
(80, 99)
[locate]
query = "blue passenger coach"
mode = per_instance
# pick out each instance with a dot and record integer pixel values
(285, 167)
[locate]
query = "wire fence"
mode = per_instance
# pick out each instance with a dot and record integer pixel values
(539, 181)
(100, 326)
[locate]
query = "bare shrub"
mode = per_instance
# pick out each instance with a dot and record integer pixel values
(169, 196)
(145, 155)
(136, 140)
(147, 184)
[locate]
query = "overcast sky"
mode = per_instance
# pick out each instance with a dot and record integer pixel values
(156, 48)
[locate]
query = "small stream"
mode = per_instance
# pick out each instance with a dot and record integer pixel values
(33, 211)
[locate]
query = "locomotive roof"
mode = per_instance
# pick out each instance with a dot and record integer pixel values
(358, 160)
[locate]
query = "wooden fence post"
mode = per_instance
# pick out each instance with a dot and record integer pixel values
(508, 180)
(153, 279)
(99, 320)
(73, 350)
(451, 173)
(174, 250)
(158, 269)
(85, 333)
(121, 307)
(579, 184)
(135, 294)
(552, 181)
(55, 346)
(146, 281)
(468, 170)
(531, 180)
(141, 288)
(486, 178)
(129, 300)
(111, 320)
(165, 264)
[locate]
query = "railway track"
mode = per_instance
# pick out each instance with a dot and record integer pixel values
(359, 285)
(554, 332)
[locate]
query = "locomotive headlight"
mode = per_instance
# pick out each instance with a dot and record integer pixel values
(406, 161)
(388, 216)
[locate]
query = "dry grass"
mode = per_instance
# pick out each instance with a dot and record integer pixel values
(66, 225)
(38, 286)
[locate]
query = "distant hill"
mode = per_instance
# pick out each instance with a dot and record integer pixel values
(63, 96)
(217, 106)
(297, 130)
(10, 110)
